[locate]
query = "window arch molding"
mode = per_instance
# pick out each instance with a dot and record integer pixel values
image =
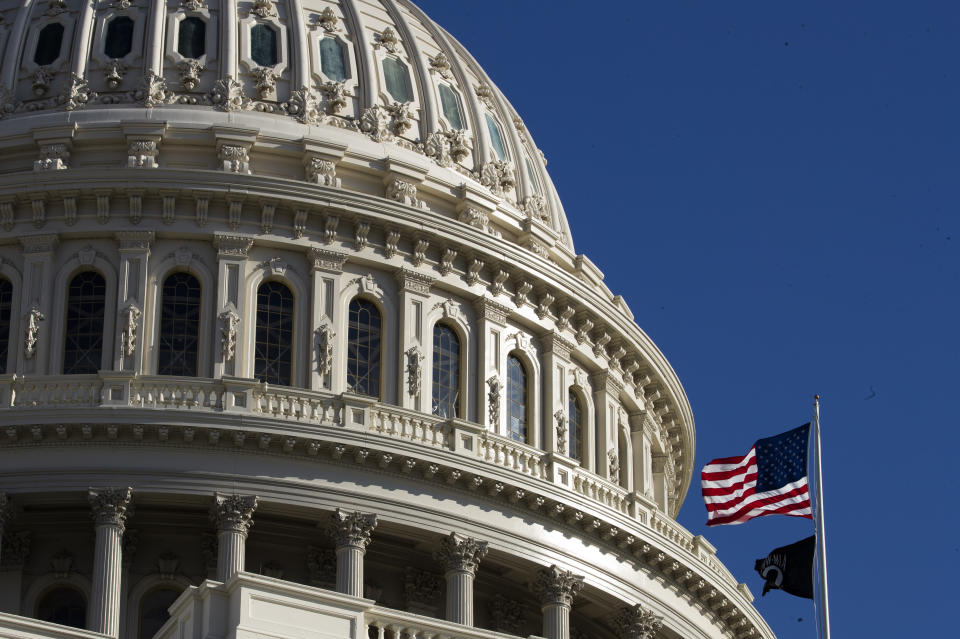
(33, 34)
(100, 36)
(382, 292)
(158, 275)
(532, 370)
(349, 58)
(282, 273)
(130, 621)
(14, 362)
(246, 55)
(44, 584)
(459, 324)
(71, 268)
(174, 20)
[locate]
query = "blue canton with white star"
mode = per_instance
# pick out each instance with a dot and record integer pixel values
(782, 459)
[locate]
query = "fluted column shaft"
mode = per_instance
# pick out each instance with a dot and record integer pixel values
(460, 557)
(556, 589)
(233, 515)
(351, 534)
(110, 513)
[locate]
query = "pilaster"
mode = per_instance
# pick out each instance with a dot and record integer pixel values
(233, 515)
(556, 589)
(642, 441)
(134, 247)
(351, 534)
(413, 289)
(491, 319)
(326, 268)
(33, 342)
(109, 508)
(606, 402)
(556, 364)
(231, 277)
(460, 557)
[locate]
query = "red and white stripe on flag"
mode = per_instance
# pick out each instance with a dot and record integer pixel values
(729, 492)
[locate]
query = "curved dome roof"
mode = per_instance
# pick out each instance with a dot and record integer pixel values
(381, 70)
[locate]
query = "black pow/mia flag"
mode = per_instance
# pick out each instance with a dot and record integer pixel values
(789, 568)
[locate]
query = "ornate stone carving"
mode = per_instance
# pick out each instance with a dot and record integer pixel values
(499, 281)
(555, 586)
(506, 615)
(441, 65)
(446, 261)
(447, 147)
(520, 295)
(518, 124)
(583, 331)
(335, 94)
(449, 308)
(460, 553)
(328, 20)
(229, 326)
(42, 78)
(614, 461)
(404, 192)
(113, 72)
(53, 157)
(485, 94)
(543, 305)
(636, 622)
(190, 69)
(414, 370)
(326, 260)
(142, 154)
(77, 94)
(368, 284)
(564, 316)
(561, 430)
(422, 590)
(382, 123)
(474, 217)
(419, 252)
(234, 159)
(227, 95)
(391, 244)
(600, 344)
(192, 5)
(56, 7)
(267, 212)
(361, 232)
(322, 566)
(61, 564)
(153, 91)
(110, 505)
(413, 281)
(493, 400)
(352, 529)
(32, 331)
(266, 81)
(473, 271)
(330, 228)
(233, 512)
(131, 322)
(263, 8)
(535, 207)
(498, 176)
(303, 104)
(388, 40)
(8, 102)
(325, 335)
(16, 547)
(402, 118)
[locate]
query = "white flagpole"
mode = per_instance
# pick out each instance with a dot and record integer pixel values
(821, 538)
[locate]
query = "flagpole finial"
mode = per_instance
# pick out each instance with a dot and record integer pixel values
(816, 397)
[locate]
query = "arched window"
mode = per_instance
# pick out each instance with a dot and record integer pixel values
(63, 605)
(49, 41)
(333, 60)
(398, 80)
(6, 305)
(179, 326)
(575, 426)
(516, 400)
(446, 372)
(263, 45)
(119, 40)
(192, 37)
(153, 610)
(273, 351)
(363, 348)
(83, 335)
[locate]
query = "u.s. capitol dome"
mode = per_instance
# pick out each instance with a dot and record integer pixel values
(295, 343)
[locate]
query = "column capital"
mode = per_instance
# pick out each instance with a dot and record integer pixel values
(636, 622)
(556, 586)
(110, 505)
(352, 529)
(233, 512)
(461, 553)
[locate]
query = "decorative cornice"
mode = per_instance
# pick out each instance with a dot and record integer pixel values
(39, 243)
(233, 512)
(489, 310)
(460, 553)
(232, 245)
(351, 529)
(109, 506)
(326, 260)
(555, 586)
(414, 282)
(134, 240)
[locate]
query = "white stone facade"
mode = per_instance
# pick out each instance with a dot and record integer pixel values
(312, 507)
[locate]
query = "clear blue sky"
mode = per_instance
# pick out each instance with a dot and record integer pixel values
(773, 187)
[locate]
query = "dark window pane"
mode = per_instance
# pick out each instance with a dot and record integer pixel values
(192, 38)
(273, 351)
(516, 400)
(64, 606)
(179, 326)
(153, 610)
(83, 337)
(495, 139)
(119, 39)
(575, 436)
(6, 304)
(48, 44)
(451, 106)
(332, 61)
(263, 45)
(446, 372)
(363, 348)
(398, 80)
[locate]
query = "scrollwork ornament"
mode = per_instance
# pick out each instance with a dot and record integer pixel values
(493, 399)
(113, 72)
(190, 69)
(414, 370)
(325, 336)
(441, 65)
(304, 105)
(328, 20)
(77, 95)
(561, 430)
(535, 207)
(263, 8)
(636, 622)
(266, 81)
(485, 94)
(153, 91)
(32, 331)
(402, 118)
(498, 176)
(352, 528)
(555, 586)
(461, 553)
(131, 323)
(335, 94)
(8, 102)
(404, 192)
(233, 512)
(227, 95)
(322, 172)
(375, 122)
(388, 40)
(446, 147)
(229, 327)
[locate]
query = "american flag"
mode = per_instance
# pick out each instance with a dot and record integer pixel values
(771, 479)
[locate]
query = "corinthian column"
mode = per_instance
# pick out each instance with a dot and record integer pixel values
(556, 589)
(351, 534)
(233, 515)
(637, 623)
(110, 514)
(460, 557)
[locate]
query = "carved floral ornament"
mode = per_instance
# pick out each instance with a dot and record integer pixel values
(555, 586)
(461, 553)
(32, 331)
(561, 430)
(493, 399)
(414, 360)
(447, 147)
(233, 512)
(229, 327)
(352, 528)
(131, 322)
(325, 336)
(636, 622)
(110, 505)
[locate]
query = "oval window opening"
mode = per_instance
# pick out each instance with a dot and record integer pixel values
(398, 81)
(48, 44)
(119, 39)
(263, 45)
(332, 62)
(192, 38)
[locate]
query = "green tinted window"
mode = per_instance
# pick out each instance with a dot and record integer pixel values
(263, 45)
(495, 138)
(398, 81)
(451, 106)
(332, 61)
(192, 38)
